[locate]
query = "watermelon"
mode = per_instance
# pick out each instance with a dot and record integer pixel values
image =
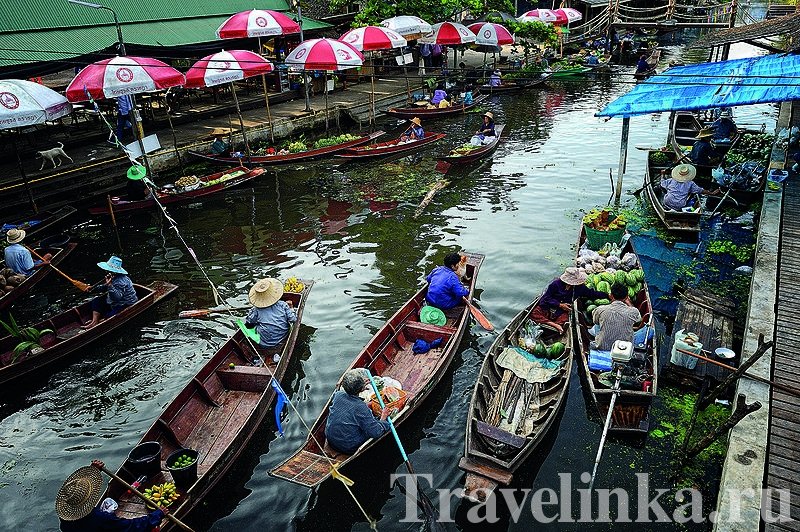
(620, 277)
(607, 277)
(556, 350)
(600, 302)
(590, 308)
(540, 350)
(604, 286)
(631, 279)
(632, 292)
(590, 282)
(639, 275)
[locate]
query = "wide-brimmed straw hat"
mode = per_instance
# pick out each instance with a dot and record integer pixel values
(15, 235)
(705, 133)
(684, 172)
(79, 494)
(136, 172)
(573, 276)
(489, 115)
(113, 265)
(265, 292)
(416, 121)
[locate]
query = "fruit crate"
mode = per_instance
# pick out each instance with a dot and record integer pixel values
(596, 239)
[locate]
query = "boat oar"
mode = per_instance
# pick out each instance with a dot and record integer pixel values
(200, 312)
(614, 395)
(78, 284)
(424, 502)
(139, 494)
(482, 320)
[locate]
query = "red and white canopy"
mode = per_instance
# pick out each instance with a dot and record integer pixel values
(226, 67)
(449, 34)
(490, 34)
(540, 15)
(324, 54)
(257, 23)
(567, 15)
(407, 25)
(25, 103)
(373, 38)
(120, 76)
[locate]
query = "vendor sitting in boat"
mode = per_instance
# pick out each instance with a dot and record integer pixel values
(496, 79)
(18, 257)
(270, 316)
(724, 127)
(414, 131)
(703, 153)
(135, 188)
(642, 66)
(350, 421)
(615, 321)
(219, 146)
(591, 60)
(79, 508)
(680, 187)
(119, 292)
(555, 304)
(439, 98)
(486, 133)
(445, 290)
(467, 97)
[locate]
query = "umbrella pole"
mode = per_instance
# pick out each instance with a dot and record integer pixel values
(138, 132)
(266, 99)
(241, 120)
(326, 100)
(372, 99)
(25, 178)
(175, 141)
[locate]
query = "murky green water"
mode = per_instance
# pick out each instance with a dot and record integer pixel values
(367, 255)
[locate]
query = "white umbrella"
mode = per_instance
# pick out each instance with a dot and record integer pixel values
(24, 103)
(407, 25)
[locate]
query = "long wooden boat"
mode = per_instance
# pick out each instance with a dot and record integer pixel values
(561, 72)
(391, 147)
(40, 273)
(215, 414)
(631, 413)
(687, 223)
(209, 184)
(683, 127)
(495, 447)
(505, 87)
(652, 59)
(69, 337)
(389, 354)
(445, 163)
(308, 155)
(423, 112)
(38, 224)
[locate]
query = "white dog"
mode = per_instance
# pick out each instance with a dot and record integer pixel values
(53, 154)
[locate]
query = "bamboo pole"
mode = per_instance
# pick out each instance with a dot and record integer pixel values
(241, 120)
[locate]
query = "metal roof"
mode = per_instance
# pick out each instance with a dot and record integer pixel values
(788, 26)
(765, 79)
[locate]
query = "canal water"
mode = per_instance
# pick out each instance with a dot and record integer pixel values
(352, 230)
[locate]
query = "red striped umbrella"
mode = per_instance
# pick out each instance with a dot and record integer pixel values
(324, 54)
(449, 34)
(490, 34)
(567, 15)
(373, 38)
(226, 67)
(121, 76)
(540, 15)
(257, 23)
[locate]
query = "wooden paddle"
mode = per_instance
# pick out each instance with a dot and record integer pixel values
(200, 312)
(139, 494)
(78, 284)
(482, 320)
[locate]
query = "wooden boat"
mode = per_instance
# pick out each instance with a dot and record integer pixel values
(68, 335)
(391, 147)
(308, 155)
(687, 223)
(632, 409)
(505, 87)
(215, 414)
(40, 273)
(423, 112)
(560, 71)
(684, 126)
(445, 163)
(387, 354)
(40, 223)
(652, 59)
(493, 451)
(209, 184)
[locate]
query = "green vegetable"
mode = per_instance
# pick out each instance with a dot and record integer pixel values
(600, 302)
(540, 350)
(590, 308)
(620, 277)
(604, 286)
(631, 279)
(632, 292)
(607, 277)
(556, 350)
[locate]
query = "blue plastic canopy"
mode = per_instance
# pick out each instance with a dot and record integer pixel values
(765, 79)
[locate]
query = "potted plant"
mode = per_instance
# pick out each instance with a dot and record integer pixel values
(31, 340)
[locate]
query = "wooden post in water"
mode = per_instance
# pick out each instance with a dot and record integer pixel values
(623, 157)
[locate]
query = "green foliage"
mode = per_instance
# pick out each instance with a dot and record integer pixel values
(659, 158)
(373, 11)
(530, 31)
(742, 253)
(29, 337)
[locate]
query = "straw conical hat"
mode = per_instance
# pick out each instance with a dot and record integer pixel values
(79, 494)
(265, 292)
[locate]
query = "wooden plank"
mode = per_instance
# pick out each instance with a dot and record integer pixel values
(498, 475)
(209, 429)
(497, 434)
(233, 426)
(785, 449)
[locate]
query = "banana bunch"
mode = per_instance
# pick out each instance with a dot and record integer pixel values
(162, 494)
(293, 285)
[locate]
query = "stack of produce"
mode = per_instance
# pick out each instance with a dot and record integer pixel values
(605, 269)
(297, 146)
(293, 285)
(464, 149)
(225, 177)
(530, 341)
(187, 182)
(333, 141)
(183, 461)
(604, 220)
(751, 147)
(162, 494)
(9, 280)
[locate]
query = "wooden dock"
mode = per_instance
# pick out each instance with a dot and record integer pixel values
(783, 453)
(712, 318)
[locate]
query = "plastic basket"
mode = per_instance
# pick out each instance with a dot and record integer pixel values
(596, 239)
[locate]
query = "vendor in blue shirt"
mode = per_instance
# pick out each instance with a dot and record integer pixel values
(119, 292)
(350, 421)
(78, 511)
(445, 290)
(703, 153)
(270, 316)
(680, 187)
(18, 257)
(724, 127)
(414, 131)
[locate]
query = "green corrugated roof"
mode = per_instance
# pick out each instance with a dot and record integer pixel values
(36, 46)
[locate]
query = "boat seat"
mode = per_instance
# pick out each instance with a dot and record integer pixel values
(333, 454)
(499, 435)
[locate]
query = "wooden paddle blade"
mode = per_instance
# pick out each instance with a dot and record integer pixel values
(482, 320)
(80, 285)
(196, 313)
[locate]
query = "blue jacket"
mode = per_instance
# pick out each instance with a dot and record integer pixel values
(444, 288)
(100, 521)
(120, 293)
(272, 323)
(351, 423)
(19, 259)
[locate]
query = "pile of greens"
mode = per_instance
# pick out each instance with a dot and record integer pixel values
(332, 141)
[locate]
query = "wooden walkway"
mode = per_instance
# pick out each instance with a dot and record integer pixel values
(783, 457)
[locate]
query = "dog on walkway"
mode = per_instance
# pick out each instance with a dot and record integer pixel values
(53, 154)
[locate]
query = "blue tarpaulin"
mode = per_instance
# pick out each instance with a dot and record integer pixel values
(765, 79)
